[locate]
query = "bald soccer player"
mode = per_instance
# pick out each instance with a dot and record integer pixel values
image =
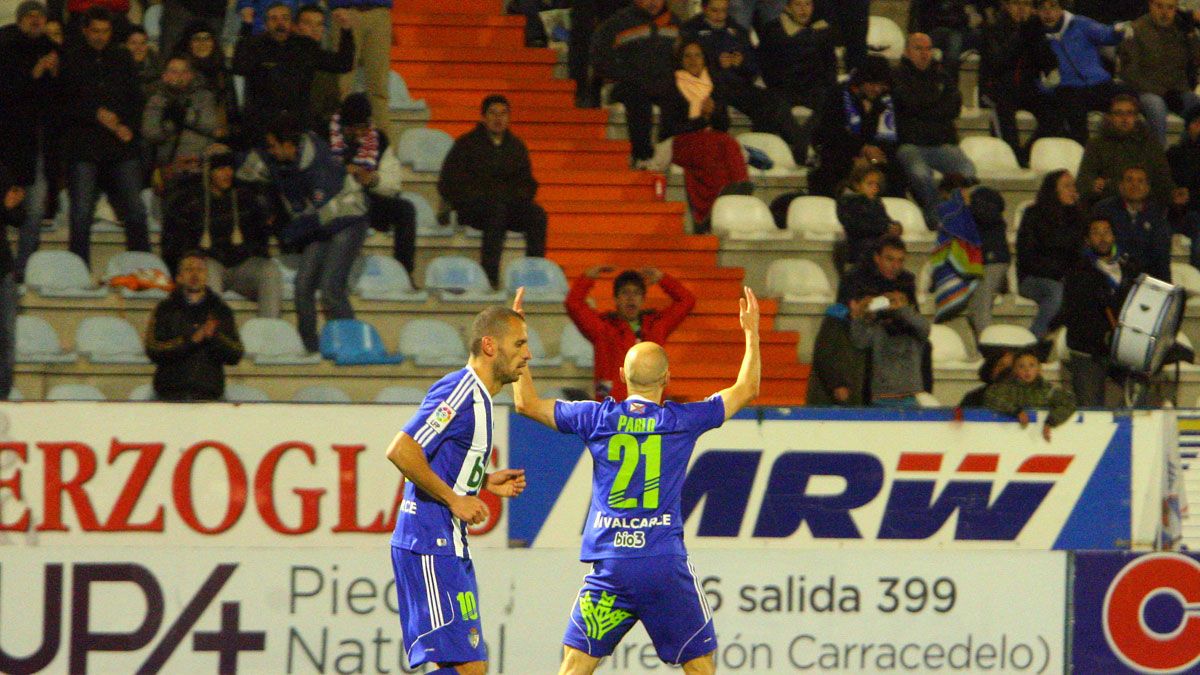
(633, 537)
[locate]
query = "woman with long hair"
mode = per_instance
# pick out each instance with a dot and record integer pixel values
(201, 47)
(1049, 240)
(697, 120)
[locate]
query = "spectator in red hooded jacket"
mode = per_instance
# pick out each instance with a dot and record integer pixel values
(613, 333)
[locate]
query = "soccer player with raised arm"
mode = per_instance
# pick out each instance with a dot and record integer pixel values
(633, 536)
(443, 453)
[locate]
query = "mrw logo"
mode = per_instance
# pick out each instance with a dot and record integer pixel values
(601, 618)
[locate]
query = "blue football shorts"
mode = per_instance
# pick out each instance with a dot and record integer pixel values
(439, 608)
(662, 592)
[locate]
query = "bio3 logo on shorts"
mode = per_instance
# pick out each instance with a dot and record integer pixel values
(1152, 613)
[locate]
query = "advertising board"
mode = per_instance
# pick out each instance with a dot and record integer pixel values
(152, 474)
(869, 479)
(324, 610)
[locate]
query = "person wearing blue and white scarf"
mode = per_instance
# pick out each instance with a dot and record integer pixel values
(1093, 293)
(858, 125)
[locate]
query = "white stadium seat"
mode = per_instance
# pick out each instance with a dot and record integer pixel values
(815, 218)
(1051, 154)
(109, 339)
(741, 217)
(798, 280)
(432, 342)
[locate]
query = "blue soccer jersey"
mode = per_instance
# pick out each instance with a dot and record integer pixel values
(454, 427)
(640, 452)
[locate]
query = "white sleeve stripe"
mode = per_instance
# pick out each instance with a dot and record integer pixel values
(460, 391)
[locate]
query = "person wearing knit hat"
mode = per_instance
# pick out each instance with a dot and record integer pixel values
(29, 71)
(233, 224)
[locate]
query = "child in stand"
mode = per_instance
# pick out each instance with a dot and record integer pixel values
(1025, 388)
(862, 214)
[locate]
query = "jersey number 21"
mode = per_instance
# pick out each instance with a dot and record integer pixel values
(626, 449)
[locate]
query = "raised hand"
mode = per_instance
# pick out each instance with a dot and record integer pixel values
(506, 482)
(748, 311)
(595, 272)
(519, 301)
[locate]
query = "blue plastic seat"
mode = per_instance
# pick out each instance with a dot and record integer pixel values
(383, 278)
(244, 393)
(460, 279)
(350, 342)
(61, 274)
(427, 222)
(274, 342)
(321, 393)
(400, 394)
(109, 339)
(37, 342)
(399, 98)
(431, 342)
(424, 149)
(75, 392)
(543, 280)
(143, 392)
(574, 347)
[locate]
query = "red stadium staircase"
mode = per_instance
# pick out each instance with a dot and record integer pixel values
(452, 53)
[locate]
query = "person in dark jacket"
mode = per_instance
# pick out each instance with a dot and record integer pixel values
(178, 15)
(29, 67)
(1093, 292)
(734, 68)
(325, 217)
(12, 194)
(1125, 141)
(101, 144)
(1012, 59)
(1139, 223)
(146, 57)
(839, 369)
(861, 212)
(1184, 160)
(279, 65)
(1159, 62)
(179, 123)
(191, 337)
(1048, 241)
(798, 61)
(858, 125)
(488, 179)
(927, 103)
(225, 211)
(635, 49)
(996, 365)
(586, 16)
(947, 24)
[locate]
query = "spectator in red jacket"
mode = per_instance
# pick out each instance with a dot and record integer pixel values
(613, 333)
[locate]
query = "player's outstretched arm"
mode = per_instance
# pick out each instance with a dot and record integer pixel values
(525, 397)
(409, 457)
(745, 389)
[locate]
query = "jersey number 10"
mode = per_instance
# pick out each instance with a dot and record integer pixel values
(625, 447)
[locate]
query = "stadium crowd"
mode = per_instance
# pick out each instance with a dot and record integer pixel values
(261, 144)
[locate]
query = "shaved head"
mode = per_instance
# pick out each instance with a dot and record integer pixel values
(645, 366)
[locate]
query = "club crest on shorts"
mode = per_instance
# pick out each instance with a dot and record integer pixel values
(474, 638)
(440, 417)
